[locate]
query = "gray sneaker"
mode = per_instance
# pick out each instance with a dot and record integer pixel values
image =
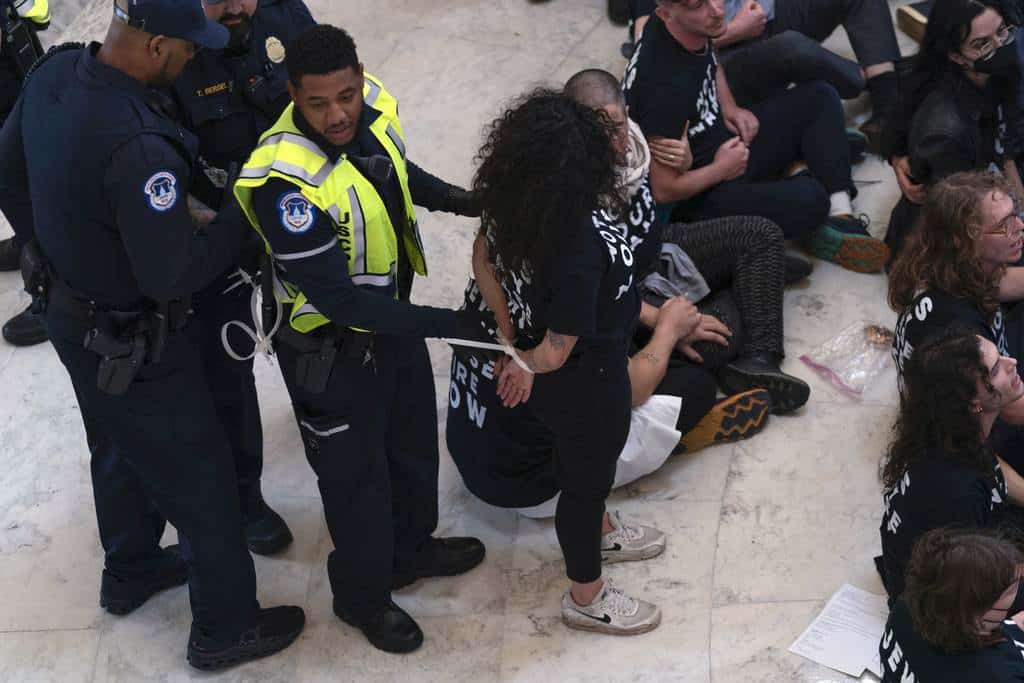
(630, 542)
(612, 612)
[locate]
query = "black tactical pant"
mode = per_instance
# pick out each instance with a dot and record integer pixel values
(158, 453)
(371, 439)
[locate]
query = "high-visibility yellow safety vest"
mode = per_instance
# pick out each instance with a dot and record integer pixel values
(360, 217)
(36, 11)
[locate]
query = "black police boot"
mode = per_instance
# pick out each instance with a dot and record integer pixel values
(761, 371)
(270, 631)
(390, 629)
(10, 255)
(121, 597)
(265, 532)
(25, 329)
(442, 557)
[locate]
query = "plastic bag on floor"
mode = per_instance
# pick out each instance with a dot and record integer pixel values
(854, 359)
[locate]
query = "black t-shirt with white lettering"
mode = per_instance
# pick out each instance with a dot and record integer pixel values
(936, 493)
(505, 455)
(931, 312)
(907, 657)
(666, 86)
(589, 284)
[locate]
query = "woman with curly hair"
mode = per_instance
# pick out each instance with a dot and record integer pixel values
(969, 231)
(957, 620)
(550, 192)
(939, 471)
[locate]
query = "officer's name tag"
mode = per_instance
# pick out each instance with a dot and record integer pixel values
(214, 89)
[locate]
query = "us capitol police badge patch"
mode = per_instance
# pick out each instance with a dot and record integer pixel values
(275, 50)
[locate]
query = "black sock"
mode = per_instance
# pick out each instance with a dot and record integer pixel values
(885, 93)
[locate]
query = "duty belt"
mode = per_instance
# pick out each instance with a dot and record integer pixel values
(125, 340)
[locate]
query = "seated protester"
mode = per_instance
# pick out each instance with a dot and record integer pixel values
(953, 111)
(968, 232)
(746, 253)
(505, 454)
(675, 87)
(769, 44)
(957, 619)
(940, 471)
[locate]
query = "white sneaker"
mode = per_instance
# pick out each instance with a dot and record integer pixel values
(612, 612)
(630, 542)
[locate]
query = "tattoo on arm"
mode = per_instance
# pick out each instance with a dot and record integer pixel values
(556, 340)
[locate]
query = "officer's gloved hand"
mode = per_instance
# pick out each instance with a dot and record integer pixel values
(462, 202)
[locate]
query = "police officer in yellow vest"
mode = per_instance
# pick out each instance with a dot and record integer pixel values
(330, 191)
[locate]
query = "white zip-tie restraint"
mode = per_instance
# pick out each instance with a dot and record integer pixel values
(503, 347)
(263, 341)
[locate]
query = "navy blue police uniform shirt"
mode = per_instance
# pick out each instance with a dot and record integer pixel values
(666, 86)
(906, 657)
(936, 493)
(108, 173)
(309, 254)
(229, 97)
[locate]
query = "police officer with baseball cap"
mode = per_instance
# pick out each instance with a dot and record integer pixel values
(227, 97)
(118, 259)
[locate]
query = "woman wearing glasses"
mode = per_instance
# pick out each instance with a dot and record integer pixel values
(939, 470)
(956, 103)
(950, 271)
(958, 619)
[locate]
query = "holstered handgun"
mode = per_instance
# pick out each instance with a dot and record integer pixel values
(313, 369)
(121, 357)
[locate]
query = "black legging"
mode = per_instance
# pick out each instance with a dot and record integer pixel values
(745, 253)
(586, 405)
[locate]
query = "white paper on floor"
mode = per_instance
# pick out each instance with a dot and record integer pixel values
(846, 634)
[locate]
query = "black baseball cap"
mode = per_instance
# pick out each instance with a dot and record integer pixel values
(184, 19)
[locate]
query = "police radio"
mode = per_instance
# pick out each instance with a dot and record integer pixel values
(19, 39)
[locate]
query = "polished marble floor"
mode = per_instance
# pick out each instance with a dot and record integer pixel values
(760, 533)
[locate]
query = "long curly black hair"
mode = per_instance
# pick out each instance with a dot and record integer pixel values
(940, 382)
(547, 163)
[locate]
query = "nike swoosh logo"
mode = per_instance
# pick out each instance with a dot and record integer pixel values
(605, 619)
(615, 548)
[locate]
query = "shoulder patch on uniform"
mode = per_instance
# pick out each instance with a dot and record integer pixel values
(162, 191)
(297, 214)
